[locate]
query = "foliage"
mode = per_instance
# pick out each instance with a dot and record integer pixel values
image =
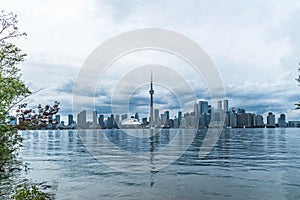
(31, 119)
(10, 141)
(12, 88)
(25, 192)
(8, 26)
(12, 91)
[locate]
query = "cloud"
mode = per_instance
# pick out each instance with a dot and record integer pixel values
(66, 87)
(255, 46)
(278, 96)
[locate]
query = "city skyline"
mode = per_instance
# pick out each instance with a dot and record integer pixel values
(203, 115)
(233, 118)
(254, 45)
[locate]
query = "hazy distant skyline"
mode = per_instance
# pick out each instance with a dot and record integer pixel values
(255, 45)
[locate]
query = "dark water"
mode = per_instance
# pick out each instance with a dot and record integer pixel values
(244, 164)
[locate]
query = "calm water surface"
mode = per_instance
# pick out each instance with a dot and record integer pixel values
(244, 164)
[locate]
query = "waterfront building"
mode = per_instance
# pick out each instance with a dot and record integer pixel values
(167, 113)
(196, 110)
(217, 115)
(281, 121)
(233, 120)
(144, 121)
(156, 117)
(176, 122)
(227, 119)
(124, 116)
(203, 107)
(136, 116)
(245, 120)
(163, 118)
(270, 120)
(167, 118)
(130, 123)
(94, 117)
(81, 119)
(101, 121)
(111, 122)
(70, 119)
(204, 120)
(194, 121)
(187, 120)
(219, 105)
(225, 104)
(249, 120)
(179, 117)
(57, 119)
(241, 120)
(259, 121)
(294, 124)
(117, 121)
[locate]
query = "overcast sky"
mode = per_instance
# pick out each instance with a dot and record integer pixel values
(255, 46)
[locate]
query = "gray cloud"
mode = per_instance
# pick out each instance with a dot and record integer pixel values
(252, 43)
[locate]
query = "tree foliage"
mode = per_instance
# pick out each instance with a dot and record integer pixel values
(29, 192)
(32, 119)
(8, 26)
(12, 88)
(12, 91)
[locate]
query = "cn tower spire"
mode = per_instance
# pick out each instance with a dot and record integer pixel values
(151, 92)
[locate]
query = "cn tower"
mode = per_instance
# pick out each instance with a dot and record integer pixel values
(151, 92)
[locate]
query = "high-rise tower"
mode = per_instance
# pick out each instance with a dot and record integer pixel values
(151, 92)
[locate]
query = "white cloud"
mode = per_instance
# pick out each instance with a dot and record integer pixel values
(252, 43)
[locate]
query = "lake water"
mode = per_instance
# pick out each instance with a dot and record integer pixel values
(244, 164)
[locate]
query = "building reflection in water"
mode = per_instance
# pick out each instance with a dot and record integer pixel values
(137, 150)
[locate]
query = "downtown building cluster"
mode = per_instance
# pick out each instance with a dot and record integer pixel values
(202, 115)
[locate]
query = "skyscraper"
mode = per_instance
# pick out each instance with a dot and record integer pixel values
(233, 120)
(281, 121)
(196, 110)
(179, 116)
(110, 121)
(70, 119)
(151, 92)
(157, 118)
(259, 121)
(219, 105)
(117, 121)
(270, 120)
(57, 119)
(81, 119)
(94, 117)
(225, 102)
(203, 107)
(136, 116)
(101, 121)
(163, 118)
